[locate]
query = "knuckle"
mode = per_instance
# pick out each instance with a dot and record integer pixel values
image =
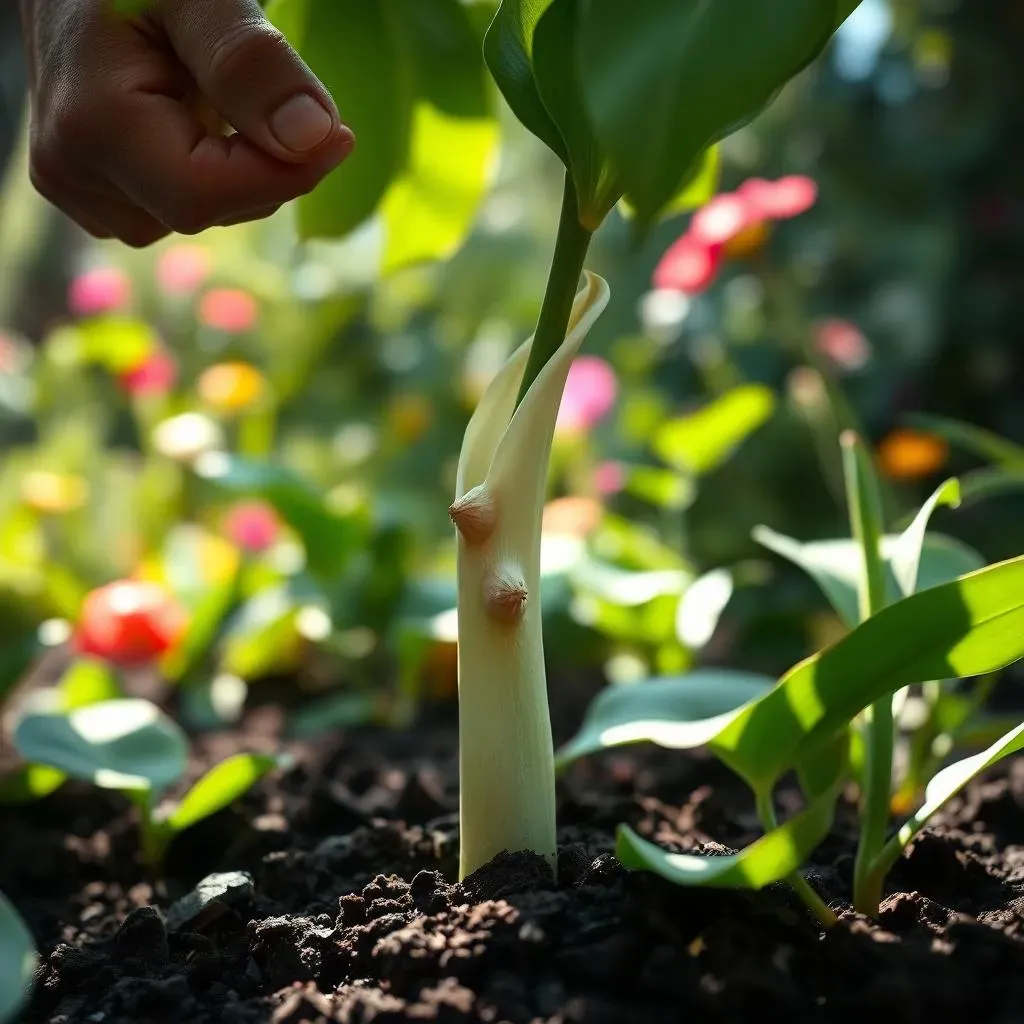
(186, 216)
(141, 236)
(249, 44)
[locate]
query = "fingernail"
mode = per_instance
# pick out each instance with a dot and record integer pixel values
(301, 123)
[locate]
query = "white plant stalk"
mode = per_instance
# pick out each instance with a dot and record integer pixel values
(506, 758)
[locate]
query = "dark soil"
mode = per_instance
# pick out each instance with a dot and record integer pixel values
(355, 916)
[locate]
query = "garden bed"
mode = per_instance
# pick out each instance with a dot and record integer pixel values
(354, 914)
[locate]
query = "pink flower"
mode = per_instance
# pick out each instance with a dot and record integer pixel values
(228, 309)
(101, 290)
(252, 525)
(731, 224)
(155, 375)
(842, 342)
(589, 394)
(181, 269)
(609, 478)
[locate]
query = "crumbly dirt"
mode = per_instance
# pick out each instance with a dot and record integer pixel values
(355, 915)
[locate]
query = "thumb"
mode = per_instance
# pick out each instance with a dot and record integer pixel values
(254, 79)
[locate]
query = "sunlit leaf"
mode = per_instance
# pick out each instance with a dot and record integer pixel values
(907, 552)
(17, 961)
(701, 607)
(117, 744)
(695, 193)
(969, 627)
(680, 712)
(28, 783)
(88, 681)
(977, 440)
(700, 441)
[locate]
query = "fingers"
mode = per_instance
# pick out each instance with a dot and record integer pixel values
(254, 79)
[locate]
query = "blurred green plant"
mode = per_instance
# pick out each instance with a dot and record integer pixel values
(17, 961)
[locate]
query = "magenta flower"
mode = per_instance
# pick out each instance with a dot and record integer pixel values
(609, 478)
(155, 375)
(181, 269)
(252, 525)
(589, 394)
(100, 290)
(732, 224)
(842, 342)
(228, 309)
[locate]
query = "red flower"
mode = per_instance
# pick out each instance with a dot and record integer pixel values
(181, 269)
(155, 375)
(228, 309)
(252, 525)
(731, 224)
(130, 622)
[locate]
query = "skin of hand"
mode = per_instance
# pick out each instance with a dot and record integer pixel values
(128, 131)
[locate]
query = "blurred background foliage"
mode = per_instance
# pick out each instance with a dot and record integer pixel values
(271, 427)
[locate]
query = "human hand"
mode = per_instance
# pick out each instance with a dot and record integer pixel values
(123, 139)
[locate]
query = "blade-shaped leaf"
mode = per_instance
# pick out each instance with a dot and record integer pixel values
(116, 744)
(989, 482)
(87, 681)
(679, 712)
(834, 564)
(220, 786)
(769, 859)
(17, 961)
(664, 79)
(977, 440)
(695, 192)
(430, 208)
(508, 48)
(349, 44)
(905, 557)
(699, 441)
(969, 627)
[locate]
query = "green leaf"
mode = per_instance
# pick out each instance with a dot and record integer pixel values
(695, 192)
(701, 607)
(835, 565)
(700, 441)
(28, 783)
(508, 47)
(117, 744)
(987, 483)
(678, 712)
(864, 502)
(977, 440)
(330, 538)
(769, 859)
(662, 487)
(969, 627)
(945, 785)
(360, 52)
(87, 681)
(220, 786)
(17, 961)
(263, 636)
(452, 155)
(665, 79)
(116, 343)
(905, 557)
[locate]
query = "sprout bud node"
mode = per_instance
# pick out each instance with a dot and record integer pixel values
(505, 595)
(475, 515)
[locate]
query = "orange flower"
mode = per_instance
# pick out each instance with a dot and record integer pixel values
(231, 387)
(911, 454)
(572, 516)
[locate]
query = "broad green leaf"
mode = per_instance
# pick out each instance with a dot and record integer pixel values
(28, 783)
(695, 192)
(977, 440)
(17, 962)
(87, 681)
(664, 79)
(220, 786)
(330, 538)
(117, 744)
(835, 564)
(969, 627)
(700, 441)
(662, 487)
(452, 155)
(945, 785)
(263, 636)
(701, 607)
(680, 712)
(554, 70)
(905, 557)
(359, 51)
(508, 48)
(769, 859)
(116, 343)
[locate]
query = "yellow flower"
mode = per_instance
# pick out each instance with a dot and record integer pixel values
(911, 454)
(231, 387)
(52, 493)
(409, 416)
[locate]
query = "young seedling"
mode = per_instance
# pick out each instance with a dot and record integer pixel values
(129, 745)
(17, 961)
(953, 623)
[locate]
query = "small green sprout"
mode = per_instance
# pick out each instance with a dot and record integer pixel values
(921, 611)
(129, 745)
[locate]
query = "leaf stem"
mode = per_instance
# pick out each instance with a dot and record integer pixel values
(865, 507)
(814, 903)
(571, 244)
